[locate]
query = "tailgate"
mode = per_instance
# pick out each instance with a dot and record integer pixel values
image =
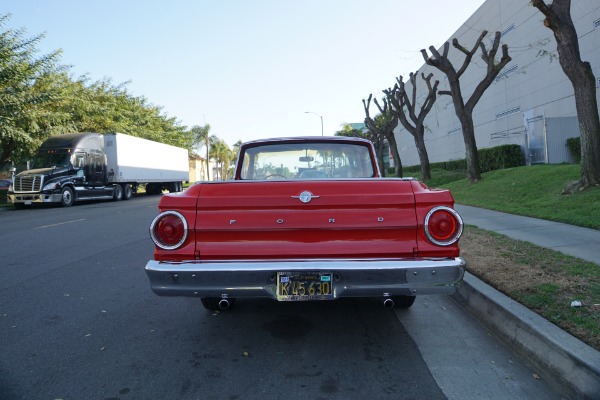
(371, 218)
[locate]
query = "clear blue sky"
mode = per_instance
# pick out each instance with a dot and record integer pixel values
(250, 69)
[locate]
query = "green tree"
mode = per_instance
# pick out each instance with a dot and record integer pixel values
(201, 137)
(104, 107)
(348, 131)
(234, 156)
(21, 100)
(221, 153)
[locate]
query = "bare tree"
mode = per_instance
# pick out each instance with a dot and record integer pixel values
(558, 19)
(399, 100)
(382, 127)
(378, 140)
(464, 110)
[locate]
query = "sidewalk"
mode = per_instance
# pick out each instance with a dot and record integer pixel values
(568, 361)
(579, 242)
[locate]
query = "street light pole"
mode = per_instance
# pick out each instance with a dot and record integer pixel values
(310, 112)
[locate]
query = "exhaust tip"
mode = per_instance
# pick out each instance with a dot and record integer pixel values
(224, 304)
(388, 303)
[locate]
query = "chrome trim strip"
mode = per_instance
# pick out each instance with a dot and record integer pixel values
(302, 265)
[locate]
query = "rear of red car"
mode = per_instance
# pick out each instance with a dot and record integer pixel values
(306, 239)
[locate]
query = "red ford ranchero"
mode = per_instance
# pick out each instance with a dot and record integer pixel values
(306, 219)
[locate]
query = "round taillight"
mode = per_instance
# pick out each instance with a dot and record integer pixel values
(169, 230)
(443, 226)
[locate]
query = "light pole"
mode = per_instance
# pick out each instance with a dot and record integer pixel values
(310, 112)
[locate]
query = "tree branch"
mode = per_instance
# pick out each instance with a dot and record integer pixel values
(468, 54)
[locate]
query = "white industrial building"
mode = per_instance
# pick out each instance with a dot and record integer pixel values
(531, 102)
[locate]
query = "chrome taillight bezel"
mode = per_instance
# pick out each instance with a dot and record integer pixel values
(455, 236)
(157, 241)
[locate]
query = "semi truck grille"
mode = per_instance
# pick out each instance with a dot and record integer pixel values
(29, 183)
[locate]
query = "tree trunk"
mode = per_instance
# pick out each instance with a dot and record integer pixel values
(473, 169)
(207, 161)
(558, 19)
(423, 156)
(584, 85)
(380, 158)
(395, 155)
(589, 127)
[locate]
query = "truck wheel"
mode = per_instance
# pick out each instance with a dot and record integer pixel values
(67, 197)
(217, 304)
(404, 301)
(173, 187)
(127, 191)
(117, 192)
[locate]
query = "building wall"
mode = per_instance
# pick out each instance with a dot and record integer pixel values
(198, 170)
(561, 129)
(531, 90)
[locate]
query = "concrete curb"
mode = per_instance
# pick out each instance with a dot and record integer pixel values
(565, 359)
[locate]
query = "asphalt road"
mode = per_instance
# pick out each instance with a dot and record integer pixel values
(78, 321)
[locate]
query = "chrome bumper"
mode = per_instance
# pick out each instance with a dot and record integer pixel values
(30, 198)
(352, 278)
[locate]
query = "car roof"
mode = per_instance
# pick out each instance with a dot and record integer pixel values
(309, 139)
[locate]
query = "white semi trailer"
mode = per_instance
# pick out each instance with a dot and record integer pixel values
(91, 166)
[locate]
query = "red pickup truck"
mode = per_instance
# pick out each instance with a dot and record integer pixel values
(306, 219)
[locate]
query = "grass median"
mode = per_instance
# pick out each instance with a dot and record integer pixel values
(545, 281)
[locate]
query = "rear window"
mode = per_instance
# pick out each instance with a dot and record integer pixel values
(307, 161)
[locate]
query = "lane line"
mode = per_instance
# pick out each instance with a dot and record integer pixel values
(60, 223)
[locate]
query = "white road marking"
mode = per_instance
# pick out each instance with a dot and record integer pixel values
(60, 223)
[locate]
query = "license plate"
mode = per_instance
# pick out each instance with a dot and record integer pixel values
(301, 286)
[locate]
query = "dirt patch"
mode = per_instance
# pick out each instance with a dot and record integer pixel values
(542, 280)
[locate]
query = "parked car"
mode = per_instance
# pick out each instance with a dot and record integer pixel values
(306, 219)
(4, 184)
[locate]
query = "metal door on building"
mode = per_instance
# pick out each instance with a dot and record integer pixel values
(536, 140)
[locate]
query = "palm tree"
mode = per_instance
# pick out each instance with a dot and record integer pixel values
(221, 153)
(201, 138)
